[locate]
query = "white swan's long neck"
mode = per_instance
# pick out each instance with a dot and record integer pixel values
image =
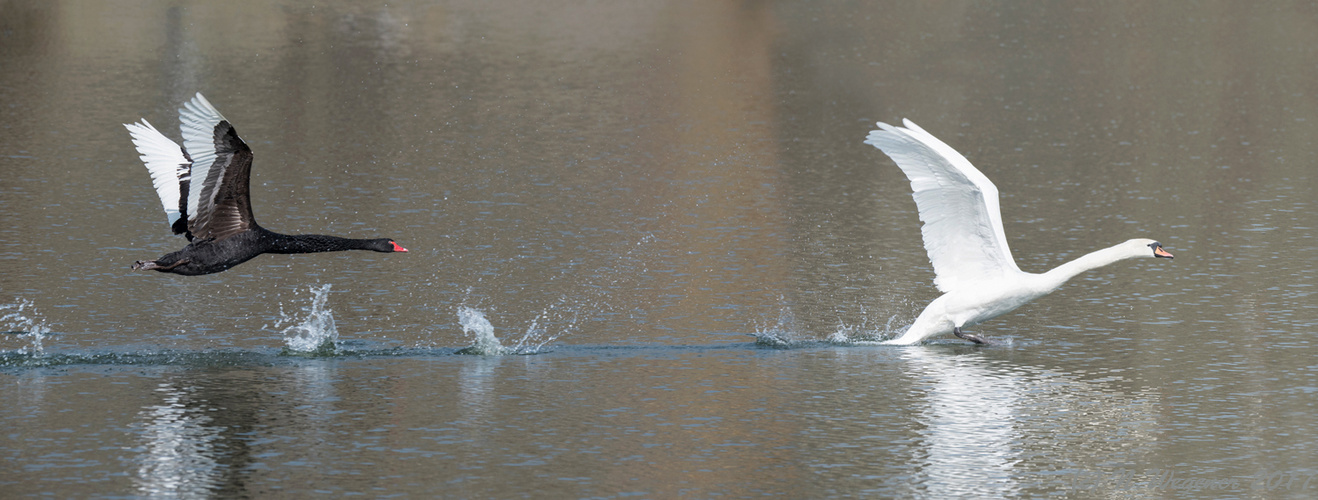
(1092, 260)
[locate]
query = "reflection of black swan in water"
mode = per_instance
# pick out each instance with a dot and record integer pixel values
(966, 244)
(216, 213)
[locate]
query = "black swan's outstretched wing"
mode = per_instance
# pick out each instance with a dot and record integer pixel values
(218, 204)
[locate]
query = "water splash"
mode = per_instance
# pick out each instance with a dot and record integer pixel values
(23, 319)
(315, 333)
(854, 334)
(783, 331)
(588, 299)
(781, 334)
(537, 334)
(474, 323)
(477, 327)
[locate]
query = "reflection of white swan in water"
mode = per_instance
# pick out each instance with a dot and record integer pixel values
(971, 442)
(966, 243)
(994, 429)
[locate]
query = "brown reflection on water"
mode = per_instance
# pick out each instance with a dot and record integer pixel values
(717, 148)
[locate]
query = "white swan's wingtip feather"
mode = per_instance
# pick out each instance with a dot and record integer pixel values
(885, 131)
(884, 127)
(906, 122)
(884, 134)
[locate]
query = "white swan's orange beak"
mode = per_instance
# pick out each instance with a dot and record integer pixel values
(1159, 252)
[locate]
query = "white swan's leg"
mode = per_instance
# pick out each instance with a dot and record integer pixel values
(971, 337)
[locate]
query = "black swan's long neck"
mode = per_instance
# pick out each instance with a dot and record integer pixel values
(312, 243)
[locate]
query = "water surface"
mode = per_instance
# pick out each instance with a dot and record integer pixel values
(665, 214)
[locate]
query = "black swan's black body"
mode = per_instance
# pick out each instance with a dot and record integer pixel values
(204, 188)
(212, 255)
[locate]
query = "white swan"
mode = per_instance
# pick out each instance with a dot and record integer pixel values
(963, 234)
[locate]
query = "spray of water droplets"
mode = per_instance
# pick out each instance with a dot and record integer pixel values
(478, 328)
(22, 318)
(314, 332)
(781, 333)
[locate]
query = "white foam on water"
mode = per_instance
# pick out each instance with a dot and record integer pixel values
(21, 316)
(314, 333)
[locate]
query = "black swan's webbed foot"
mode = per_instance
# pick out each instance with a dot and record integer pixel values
(972, 337)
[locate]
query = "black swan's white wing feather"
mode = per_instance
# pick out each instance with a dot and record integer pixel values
(166, 162)
(218, 202)
(197, 121)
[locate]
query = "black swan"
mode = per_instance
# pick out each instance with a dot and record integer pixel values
(215, 213)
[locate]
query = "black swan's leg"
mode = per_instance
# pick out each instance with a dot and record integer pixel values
(150, 265)
(174, 265)
(971, 337)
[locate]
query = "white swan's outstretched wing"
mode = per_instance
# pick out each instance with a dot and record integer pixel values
(958, 205)
(165, 161)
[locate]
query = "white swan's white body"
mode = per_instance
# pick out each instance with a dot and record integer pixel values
(967, 246)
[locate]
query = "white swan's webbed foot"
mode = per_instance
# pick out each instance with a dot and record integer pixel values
(972, 337)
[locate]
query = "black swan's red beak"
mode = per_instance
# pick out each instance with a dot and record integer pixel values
(397, 247)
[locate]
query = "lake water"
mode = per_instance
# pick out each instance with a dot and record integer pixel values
(644, 237)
